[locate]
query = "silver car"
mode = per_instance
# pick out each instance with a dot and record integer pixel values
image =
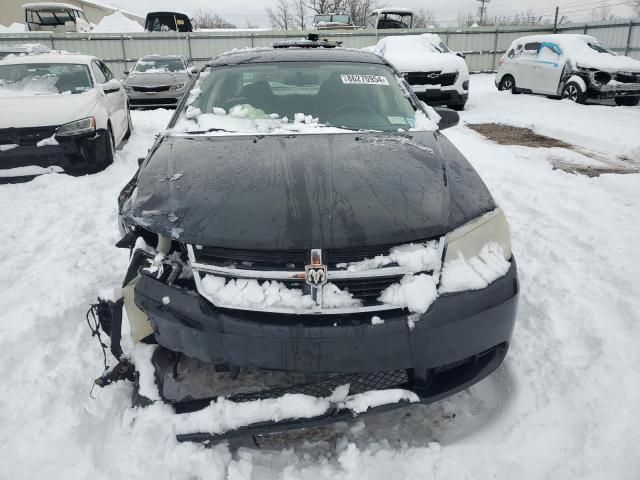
(158, 81)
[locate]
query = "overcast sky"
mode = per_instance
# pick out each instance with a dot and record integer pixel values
(241, 11)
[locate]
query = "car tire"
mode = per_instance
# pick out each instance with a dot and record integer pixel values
(627, 101)
(573, 92)
(109, 152)
(508, 83)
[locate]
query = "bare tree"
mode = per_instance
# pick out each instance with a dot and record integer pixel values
(299, 12)
(326, 6)
(424, 18)
(602, 13)
(280, 15)
(465, 19)
(208, 19)
(636, 7)
(360, 10)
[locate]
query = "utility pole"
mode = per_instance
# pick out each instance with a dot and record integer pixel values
(555, 22)
(482, 10)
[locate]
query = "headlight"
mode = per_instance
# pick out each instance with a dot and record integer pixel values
(178, 86)
(472, 237)
(79, 127)
(477, 253)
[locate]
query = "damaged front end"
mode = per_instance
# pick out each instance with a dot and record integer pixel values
(603, 85)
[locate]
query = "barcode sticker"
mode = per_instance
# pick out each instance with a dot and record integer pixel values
(359, 79)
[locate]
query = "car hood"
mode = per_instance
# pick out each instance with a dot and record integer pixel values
(426, 62)
(46, 110)
(608, 63)
(301, 191)
(154, 79)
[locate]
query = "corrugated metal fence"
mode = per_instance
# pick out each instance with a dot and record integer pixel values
(482, 46)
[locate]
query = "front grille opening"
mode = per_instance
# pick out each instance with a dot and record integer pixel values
(431, 78)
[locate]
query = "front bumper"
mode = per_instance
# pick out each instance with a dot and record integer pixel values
(165, 99)
(75, 155)
(434, 96)
(614, 91)
(454, 331)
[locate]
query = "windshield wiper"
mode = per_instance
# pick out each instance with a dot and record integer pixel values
(201, 132)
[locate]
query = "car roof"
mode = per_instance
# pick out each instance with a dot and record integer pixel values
(49, 58)
(48, 5)
(163, 57)
(557, 37)
(295, 54)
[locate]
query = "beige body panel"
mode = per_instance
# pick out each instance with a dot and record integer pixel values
(138, 320)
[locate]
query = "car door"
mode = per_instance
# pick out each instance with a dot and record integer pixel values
(115, 98)
(525, 63)
(548, 67)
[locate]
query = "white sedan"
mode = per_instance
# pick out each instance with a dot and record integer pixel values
(60, 113)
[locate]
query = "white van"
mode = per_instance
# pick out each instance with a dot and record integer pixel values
(55, 17)
(576, 67)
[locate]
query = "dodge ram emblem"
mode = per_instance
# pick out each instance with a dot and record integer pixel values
(316, 273)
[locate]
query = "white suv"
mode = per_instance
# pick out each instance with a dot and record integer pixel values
(576, 67)
(437, 75)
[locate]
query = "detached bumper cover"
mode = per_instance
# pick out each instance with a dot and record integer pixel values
(76, 155)
(455, 328)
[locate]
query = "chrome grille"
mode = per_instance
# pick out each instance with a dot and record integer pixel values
(158, 88)
(362, 285)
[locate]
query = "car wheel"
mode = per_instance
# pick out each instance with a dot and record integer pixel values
(573, 92)
(507, 83)
(627, 101)
(109, 149)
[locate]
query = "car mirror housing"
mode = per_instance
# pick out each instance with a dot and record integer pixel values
(448, 117)
(126, 72)
(460, 54)
(194, 70)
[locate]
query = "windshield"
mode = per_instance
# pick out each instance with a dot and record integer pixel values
(395, 20)
(43, 79)
(50, 17)
(159, 66)
(264, 97)
(600, 49)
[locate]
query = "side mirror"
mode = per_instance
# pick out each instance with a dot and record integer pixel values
(126, 72)
(111, 86)
(194, 70)
(460, 54)
(448, 117)
(140, 160)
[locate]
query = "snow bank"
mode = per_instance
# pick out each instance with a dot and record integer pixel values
(117, 22)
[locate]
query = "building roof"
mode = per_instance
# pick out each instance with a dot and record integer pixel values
(295, 54)
(48, 58)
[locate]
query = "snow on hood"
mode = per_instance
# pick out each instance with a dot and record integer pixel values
(583, 55)
(154, 78)
(418, 53)
(51, 109)
(117, 22)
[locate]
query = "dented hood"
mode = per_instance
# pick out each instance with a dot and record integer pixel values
(298, 191)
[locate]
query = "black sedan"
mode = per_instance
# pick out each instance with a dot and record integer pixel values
(303, 214)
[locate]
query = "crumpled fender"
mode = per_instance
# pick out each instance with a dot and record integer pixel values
(579, 80)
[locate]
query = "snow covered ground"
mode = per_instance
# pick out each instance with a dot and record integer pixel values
(565, 405)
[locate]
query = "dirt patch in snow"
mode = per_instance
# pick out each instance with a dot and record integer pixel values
(520, 136)
(510, 135)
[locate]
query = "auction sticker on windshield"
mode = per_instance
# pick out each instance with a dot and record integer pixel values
(359, 79)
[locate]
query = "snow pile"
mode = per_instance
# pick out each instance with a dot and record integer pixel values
(413, 257)
(271, 294)
(223, 415)
(117, 22)
(415, 292)
(462, 274)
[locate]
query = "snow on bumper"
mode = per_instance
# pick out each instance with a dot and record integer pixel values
(456, 327)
